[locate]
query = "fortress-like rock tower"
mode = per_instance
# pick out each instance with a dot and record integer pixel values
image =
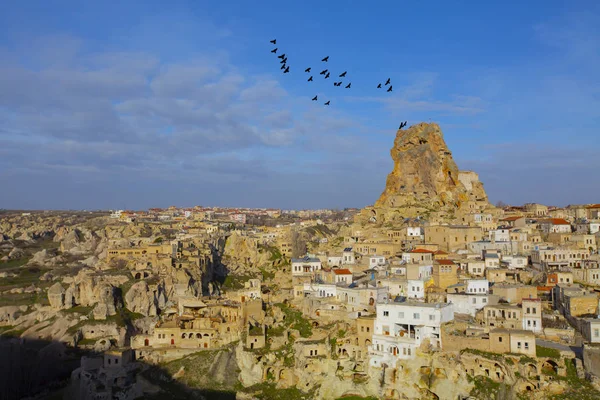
(425, 180)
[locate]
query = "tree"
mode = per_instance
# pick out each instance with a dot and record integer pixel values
(501, 204)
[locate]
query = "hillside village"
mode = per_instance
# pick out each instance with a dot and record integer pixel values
(432, 292)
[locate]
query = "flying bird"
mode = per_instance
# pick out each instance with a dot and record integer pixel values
(283, 66)
(387, 82)
(325, 59)
(337, 83)
(288, 70)
(314, 98)
(274, 41)
(283, 61)
(310, 79)
(327, 102)
(327, 76)
(274, 50)
(379, 86)
(281, 56)
(390, 88)
(343, 74)
(307, 69)
(348, 86)
(323, 72)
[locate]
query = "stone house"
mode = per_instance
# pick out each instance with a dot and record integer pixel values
(256, 336)
(444, 273)
(418, 256)
(514, 293)
(475, 267)
(501, 316)
(452, 237)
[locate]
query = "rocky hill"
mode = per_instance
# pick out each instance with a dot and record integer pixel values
(425, 180)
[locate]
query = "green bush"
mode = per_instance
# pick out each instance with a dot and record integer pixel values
(544, 352)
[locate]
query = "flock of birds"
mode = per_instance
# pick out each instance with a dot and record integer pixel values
(326, 73)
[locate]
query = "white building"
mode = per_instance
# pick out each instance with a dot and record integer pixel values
(594, 227)
(400, 328)
(342, 276)
(375, 260)
(414, 232)
(415, 289)
(532, 315)
(396, 286)
(465, 303)
(306, 266)
(425, 271)
(348, 256)
(591, 330)
(500, 235)
(334, 261)
(478, 286)
(476, 267)
(320, 290)
(116, 214)
(492, 260)
(514, 262)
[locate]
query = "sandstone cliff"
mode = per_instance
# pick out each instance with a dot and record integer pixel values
(425, 179)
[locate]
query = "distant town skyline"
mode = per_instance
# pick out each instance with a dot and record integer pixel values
(111, 105)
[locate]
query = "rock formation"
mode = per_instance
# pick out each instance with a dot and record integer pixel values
(425, 179)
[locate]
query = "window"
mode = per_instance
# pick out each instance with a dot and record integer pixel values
(518, 345)
(386, 313)
(526, 345)
(432, 317)
(596, 332)
(474, 300)
(401, 315)
(417, 316)
(500, 339)
(484, 300)
(534, 310)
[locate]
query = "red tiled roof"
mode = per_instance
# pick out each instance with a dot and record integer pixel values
(445, 262)
(343, 271)
(511, 218)
(558, 221)
(421, 251)
(594, 206)
(440, 252)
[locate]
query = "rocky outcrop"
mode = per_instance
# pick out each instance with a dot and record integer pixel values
(425, 179)
(105, 306)
(56, 296)
(140, 299)
(241, 253)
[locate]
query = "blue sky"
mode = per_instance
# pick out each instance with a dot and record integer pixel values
(141, 104)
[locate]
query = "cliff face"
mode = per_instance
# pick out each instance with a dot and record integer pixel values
(425, 178)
